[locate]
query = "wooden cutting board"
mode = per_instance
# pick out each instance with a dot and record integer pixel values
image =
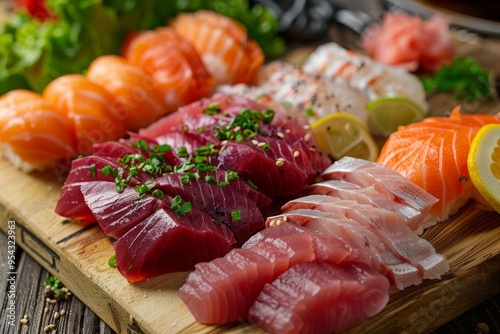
(78, 255)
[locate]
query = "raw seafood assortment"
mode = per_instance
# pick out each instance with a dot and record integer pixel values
(324, 264)
(177, 185)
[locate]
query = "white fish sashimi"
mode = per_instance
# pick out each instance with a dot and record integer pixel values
(385, 180)
(332, 61)
(309, 94)
(368, 195)
(389, 227)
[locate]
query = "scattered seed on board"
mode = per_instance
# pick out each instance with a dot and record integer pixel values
(23, 321)
(63, 311)
(46, 310)
(47, 328)
(57, 315)
(54, 332)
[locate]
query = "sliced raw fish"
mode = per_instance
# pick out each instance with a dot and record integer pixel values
(400, 273)
(224, 289)
(117, 212)
(389, 227)
(385, 180)
(84, 170)
(166, 242)
(320, 297)
(366, 195)
(226, 206)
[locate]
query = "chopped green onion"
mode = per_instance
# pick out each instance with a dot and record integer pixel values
(251, 184)
(112, 261)
(92, 170)
(235, 215)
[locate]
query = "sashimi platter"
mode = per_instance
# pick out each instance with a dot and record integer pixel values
(183, 170)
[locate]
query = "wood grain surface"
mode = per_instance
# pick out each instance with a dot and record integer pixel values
(78, 254)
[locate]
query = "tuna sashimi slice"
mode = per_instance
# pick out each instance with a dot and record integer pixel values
(320, 297)
(368, 195)
(224, 289)
(385, 180)
(84, 170)
(165, 243)
(225, 204)
(117, 212)
(389, 227)
(400, 273)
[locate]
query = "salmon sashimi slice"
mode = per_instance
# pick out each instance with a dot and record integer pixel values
(320, 297)
(89, 108)
(388, 182)
(366, 195)
(389, 227)
(138, 98)
(224, 289)
(34, 134)
(400, 273)
(433, 154)
(165, 242)
(227, 52)
(173, 62)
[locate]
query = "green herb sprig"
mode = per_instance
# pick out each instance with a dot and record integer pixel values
(464, 78)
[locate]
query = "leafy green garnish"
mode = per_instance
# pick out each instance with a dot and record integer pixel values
(463, 77)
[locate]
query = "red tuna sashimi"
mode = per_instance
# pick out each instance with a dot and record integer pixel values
(228, 104)
(367, 195)
(224, 204)
(71, 203)
(166, 242)
(117, 212)
(389, 227)
(320, 297)
(400, 273)
(224, 289)
(385, 180)
(288, 163)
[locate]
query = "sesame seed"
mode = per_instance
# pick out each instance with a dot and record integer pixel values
(47, 288)
(272, 222)
(280, 163)
(23, 321)
(307, 136)
(255, 142)
(280, 134)
(53, 301)
(312, 149)
(47, 328)
(57, 315)
(224, 142)
(63, 311)
(46, 310)
(306, 127)
(296, 154)
(261, 144)
(238, 128)
(285, 218)
(54, 332)
(279, 221)
(47, 300)
(288, 131)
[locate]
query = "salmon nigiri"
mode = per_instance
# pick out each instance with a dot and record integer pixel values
(173, 62)
(433, 154)
(34, 134)
(89, 108)
(137, 95)
(227, 52)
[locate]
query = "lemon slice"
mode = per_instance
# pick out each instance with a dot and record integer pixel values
(342, 134)
(484, 163)
(386, 114)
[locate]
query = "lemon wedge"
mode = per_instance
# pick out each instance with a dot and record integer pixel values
(386, 114)
(484, 163)
(342, 134)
